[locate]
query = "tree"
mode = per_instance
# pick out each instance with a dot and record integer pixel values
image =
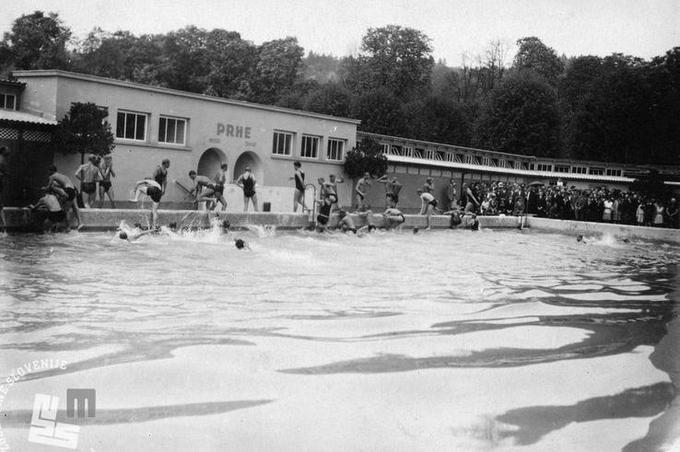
(394, 57)
(536, 57)
(330, 99)
(379, 112)
(277, 69)
(37, 42)
(439, 120)
(232, 62)
(366, 157)
(521, 118)
(84, 130)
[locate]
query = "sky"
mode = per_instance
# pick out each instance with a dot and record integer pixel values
(458, 29)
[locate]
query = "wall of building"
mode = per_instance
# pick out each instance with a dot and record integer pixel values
(209, 123)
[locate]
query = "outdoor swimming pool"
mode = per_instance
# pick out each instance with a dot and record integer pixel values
(447, 340)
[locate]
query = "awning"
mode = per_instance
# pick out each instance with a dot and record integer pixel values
(26, 118)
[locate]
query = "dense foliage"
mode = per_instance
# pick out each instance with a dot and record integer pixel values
(617, 108)
(366, 157)
(83, 130)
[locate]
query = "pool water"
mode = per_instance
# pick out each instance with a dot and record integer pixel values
(445, 340)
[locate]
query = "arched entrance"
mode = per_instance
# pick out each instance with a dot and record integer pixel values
(210, 162)
(253, 161)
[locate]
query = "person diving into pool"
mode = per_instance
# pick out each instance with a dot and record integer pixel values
(153, 190)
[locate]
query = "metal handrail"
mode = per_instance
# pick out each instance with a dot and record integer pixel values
(313, 200)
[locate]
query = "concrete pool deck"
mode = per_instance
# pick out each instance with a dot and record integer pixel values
(18, 219)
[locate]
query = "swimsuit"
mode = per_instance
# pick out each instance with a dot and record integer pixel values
(70, 193)
(57, 217)
(105, 184)
(300, 181)
(219, 189)
(154, 193)
(248, 187)
(324, 214)
(88, 187)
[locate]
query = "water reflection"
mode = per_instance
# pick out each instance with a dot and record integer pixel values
(141, 302)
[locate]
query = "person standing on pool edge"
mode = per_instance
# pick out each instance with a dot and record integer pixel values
(248, 183)
(105, 188)
(161, 175)
(88, 174)
(299, 195)
(361, 189)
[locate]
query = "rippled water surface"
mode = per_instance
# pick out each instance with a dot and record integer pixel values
(449, 340)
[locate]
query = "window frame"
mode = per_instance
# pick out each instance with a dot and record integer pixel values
(342, 142)
(314, 139)
(4, 97)
(275, 141)
(168, 118)
(146, 117)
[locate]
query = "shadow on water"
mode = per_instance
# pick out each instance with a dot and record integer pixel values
(537, 421)
(22, 418)
(655, 323)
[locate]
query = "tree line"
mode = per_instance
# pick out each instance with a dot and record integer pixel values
(618, 108)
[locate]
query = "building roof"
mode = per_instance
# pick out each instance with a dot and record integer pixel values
(175, 92)
(12, 83)
(23, 117)
(509, 171)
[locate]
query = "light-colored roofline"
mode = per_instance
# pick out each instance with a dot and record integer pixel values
(432, 143)
(175, 92)
(508, 171)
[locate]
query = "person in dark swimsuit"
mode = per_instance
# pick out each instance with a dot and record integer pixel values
(204, 189)
(88, 174)
(299, 195)
(324, 213)
(153, 190)
(161, 175)
(248, 183)
(64, 189)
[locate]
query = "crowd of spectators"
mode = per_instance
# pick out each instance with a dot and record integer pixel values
(569, 203)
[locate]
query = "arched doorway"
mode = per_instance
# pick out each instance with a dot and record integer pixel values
(210, 162)
(253, 161)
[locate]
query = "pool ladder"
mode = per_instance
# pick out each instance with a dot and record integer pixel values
(312, 218)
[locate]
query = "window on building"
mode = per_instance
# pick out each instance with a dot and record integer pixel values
(131, 126)
(283, 143)
(336, 149)
(613, 172)
(579, 169)
(596, 171)
(543, 167)
(310, 147)
(171, 130)
(561, 168)
(8, 101)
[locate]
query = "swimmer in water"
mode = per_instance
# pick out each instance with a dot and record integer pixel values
(130, 237)
(579, 239)
(241, 244)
